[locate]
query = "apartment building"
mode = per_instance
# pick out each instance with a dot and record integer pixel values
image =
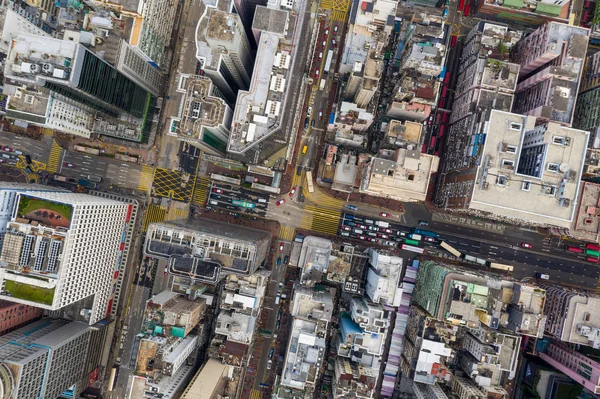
(60, 248)
(580, 368)
(383, 278)
(551, 63)
(44, 359)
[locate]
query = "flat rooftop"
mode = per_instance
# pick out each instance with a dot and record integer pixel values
(527, 172)
(270, 20)
(221, 26)
(587, 221)
(406, 178)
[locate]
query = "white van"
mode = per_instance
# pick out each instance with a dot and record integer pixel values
(262, 201)
(213, 202)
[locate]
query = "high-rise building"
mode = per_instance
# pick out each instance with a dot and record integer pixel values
(572, 317)
(223, 50)
(79, 82)
(204, 118)
(551, 63)
(15, 315)
(580, 368)
(524, 170)
(587, 113)
(43, 359)
(60, 248)
(207, 251)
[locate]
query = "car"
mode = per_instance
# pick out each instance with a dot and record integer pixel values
(362, 238)
(286, 259)
(69, 165)
(526, 245)
(383, 214)
(361, 226)
(28, 159)
(383, 235)
(335, 29)
(390, 243)
(326, 33)
(7, 149)
(423, 223)
(269, 364)
(279, 314)
(320, 114)
(271, 352)
(373, 239)
(317, 74)
(293, 191)
(280, 285)
(166, 270)
(217, 190)
(388, 231)
(277, 325)
(324, 44)
(279, 261)
(543, 276)
(280, 202)
(374, 228)
(334, 43)
(429, 239)
(320, 56)
(352, 207)
(2, 160)
(345, 234)
(281, 246)
(347, 228)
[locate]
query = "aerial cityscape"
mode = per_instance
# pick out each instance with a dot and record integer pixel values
(300, 199)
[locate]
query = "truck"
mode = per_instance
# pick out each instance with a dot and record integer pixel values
(415, 236)
(322, 84)
(381, 223)
(328, 61)
(126, 158)
(87, 184)
(61, 178)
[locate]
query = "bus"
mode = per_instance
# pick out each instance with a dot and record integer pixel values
(88, 150)
(309, 182)
(590, 259)
(574, 249)
(243, 204)
(425, 233)
(413, 249)
(500, 266)
(411, 242)
(328, 61)
(591, 252)
(112, 379)
(594, 247)
(450, 249)
(126, 158)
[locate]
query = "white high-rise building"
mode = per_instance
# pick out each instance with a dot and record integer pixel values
(61, 247)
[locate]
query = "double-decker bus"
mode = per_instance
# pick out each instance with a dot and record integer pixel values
(594, 247)
(591, 252)
(425, 233)
(571, 248)
(500, 266)
(411, 242)
(413, 249)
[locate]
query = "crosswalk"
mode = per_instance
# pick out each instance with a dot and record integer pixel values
(339, 15)
(177, 213)
(326, 4)
(323, 220)
(47, 132)
(146, 176)
(286, 233)
(201, 190)
(54, 159)
(319, 197)
(154, 214)
(255, 394)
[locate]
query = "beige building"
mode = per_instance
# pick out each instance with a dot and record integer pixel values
(529, 172)
(405, 177)
(210, 382)
(400, 133)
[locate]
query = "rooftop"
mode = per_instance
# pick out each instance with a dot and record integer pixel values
(529, 172)
(400, 132)
(311, 304)
(405, 178)
(586, 224)
(314, 259)
(305, 354)
(383, 278)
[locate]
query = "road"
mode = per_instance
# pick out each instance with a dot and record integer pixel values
(114, 171)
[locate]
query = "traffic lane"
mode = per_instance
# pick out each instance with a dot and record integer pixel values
(34, 148)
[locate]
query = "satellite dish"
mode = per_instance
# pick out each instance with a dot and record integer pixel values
(564, 167)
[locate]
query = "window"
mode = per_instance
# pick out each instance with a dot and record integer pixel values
(560, 140)
(501, 180)
(553, 167)
(511, 149)
(515, 126)
(508, 164)
(526, 185)
(549, 190)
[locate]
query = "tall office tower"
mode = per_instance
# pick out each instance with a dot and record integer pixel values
(60, 248)
(107, 99)
(551, 62)
(224, 51)
(43, 359)
(204, 118)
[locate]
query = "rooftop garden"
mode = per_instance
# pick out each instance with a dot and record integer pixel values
(29, 292)
(46, 212)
